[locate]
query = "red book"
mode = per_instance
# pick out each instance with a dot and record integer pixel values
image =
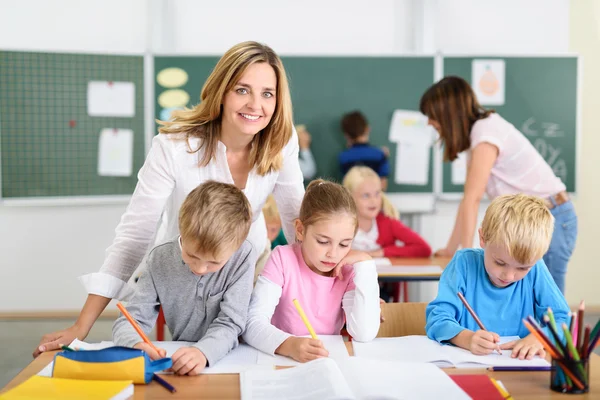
(479, 387)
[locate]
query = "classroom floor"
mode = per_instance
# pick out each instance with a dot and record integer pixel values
(19, 338)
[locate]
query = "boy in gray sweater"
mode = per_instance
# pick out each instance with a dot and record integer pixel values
(202, 279)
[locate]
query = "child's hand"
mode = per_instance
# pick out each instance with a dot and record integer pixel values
(525, 348)
(352, 257)
(302, 349)
(162, 353)
(376, 253)
(188, 361)
(386, 151)
(483, 342)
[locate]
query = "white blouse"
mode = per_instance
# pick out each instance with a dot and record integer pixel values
(169, 173)
(367, 241)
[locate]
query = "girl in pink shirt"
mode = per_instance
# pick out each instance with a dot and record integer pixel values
(306, 271)
(500, 161)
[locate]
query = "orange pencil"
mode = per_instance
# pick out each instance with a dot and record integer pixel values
(474, 315)
(137, 327)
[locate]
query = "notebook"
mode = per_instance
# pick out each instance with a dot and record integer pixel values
(39, 387)
(423, 349)
(352, 378)
(334, 344)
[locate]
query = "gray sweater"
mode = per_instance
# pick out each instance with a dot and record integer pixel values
(210, 309)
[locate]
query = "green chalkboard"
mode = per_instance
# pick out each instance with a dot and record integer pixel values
(49, 143)
(540, 101)
(323, 89)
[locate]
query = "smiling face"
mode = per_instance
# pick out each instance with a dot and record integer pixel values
(367, 197)
(502, 269)
(200, 263)
(326, 242)
(250, 104)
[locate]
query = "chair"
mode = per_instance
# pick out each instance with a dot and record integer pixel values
(402, 319)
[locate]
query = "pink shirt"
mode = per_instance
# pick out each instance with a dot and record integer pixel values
(320, 296)
(519, 167)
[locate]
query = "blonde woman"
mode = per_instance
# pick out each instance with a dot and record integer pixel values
(241, 133)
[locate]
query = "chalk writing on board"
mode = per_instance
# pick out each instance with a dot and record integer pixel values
(542, 135)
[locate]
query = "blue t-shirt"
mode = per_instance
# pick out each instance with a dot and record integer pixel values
(501, 310)
(365, 155)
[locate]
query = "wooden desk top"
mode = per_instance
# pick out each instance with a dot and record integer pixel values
(521, 385)
(418, 261)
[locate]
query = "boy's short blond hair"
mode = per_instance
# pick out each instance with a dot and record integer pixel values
(270, 211)
(521, 223)
(215, 217)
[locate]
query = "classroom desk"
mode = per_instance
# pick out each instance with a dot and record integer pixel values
(414, 262)
(521, 385)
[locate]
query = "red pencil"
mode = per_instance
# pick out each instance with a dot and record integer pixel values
(579, 342)
(136, 327)
(474, 315)
(586, 341)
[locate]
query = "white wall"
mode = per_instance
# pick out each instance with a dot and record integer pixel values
(43, 249)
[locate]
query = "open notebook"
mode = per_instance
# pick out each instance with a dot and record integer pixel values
(352, 378)
(423, 349)
(38, 387)
(333, 343)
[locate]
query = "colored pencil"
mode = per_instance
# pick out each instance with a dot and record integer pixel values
(586, 342)
(164, 383)
(532, 368)
(66, 348)
(579, 341)
(503, 392)
(474, 315)
(559, 361)
(305, 319)
(137, 327)
(574, 353)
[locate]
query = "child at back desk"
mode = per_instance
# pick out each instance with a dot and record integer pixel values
(305, 271)
(378, 226)
(202, 279)
(357, 131)
(504, 282)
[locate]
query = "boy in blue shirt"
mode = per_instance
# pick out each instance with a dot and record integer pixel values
(504, 282)
(356, 130)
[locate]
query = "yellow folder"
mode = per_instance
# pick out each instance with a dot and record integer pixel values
(39, 387)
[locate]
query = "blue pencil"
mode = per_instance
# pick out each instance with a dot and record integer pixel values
(540, 368)
(164, 383)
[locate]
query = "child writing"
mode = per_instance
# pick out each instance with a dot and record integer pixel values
(202, 279)
(304, 271)
(378, 226)
(504, 282)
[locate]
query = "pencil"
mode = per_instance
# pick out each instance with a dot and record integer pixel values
(66, 348)
(503, 392)
(532, 368)
(164, 383)
(137, 327)
(579, 342)
(474, 315)
(304, 319)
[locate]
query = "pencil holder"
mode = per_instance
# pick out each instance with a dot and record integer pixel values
(570, 376)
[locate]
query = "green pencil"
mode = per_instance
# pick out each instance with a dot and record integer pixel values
(573, 351)
(66, 348)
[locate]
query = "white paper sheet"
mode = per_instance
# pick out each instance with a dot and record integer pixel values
(459, 169)
(409, 270)
(377, 379)
(412, 161)
(382, 261)
(111, 99)
(115, 152)
(406, 123)
(489, 81)
(333, 343)
(318, 379)
(422, 349)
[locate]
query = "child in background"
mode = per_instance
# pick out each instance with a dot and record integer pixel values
(305, 156)
(378, 226)
(504, 282)
(202, 279)
(304, 271)
(356, 130)
(273, 221)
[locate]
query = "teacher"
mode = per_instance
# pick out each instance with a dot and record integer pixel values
(241, 133)
(500, 160)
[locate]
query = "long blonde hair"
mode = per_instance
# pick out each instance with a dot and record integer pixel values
(204, 120)
(357, 175)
